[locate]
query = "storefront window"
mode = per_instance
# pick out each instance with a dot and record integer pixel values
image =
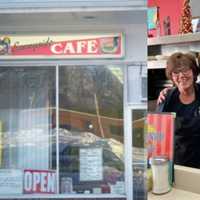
(26, 98)
(139, 155)
(91, 130)
(83, 154)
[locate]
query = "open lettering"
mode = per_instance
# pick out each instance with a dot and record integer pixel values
(75, 47)
(37, 181)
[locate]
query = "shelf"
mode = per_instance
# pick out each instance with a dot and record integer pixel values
(166, 45)
(156, 64)
(174, 39)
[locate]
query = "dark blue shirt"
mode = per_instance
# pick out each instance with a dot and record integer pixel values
(183, 110)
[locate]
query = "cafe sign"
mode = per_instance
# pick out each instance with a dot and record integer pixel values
(62, 46)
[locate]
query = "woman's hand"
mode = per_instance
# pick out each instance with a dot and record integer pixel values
(162, 95)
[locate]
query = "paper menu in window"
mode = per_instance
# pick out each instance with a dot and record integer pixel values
(11, 181)
(91, 164)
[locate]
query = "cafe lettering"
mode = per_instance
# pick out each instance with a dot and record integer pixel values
(76, 47)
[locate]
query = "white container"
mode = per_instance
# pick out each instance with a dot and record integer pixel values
(66, 185)
(160, 174)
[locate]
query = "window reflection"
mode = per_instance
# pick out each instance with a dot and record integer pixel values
(25, 131)
(91, 129)
(25, 100)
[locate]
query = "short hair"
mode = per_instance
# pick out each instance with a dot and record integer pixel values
(182, 60)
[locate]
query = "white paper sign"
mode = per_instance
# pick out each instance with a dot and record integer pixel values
(118, 188)
(11, 181)
(91, 164)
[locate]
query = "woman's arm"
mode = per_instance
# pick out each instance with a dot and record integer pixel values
(162, 95)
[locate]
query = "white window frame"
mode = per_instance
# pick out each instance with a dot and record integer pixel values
(127, 126)
(129, 106)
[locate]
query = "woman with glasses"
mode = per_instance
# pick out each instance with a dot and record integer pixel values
(184, 100)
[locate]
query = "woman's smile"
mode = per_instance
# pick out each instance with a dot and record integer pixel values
(183, 79)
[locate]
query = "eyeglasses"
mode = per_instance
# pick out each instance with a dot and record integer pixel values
(184, 71)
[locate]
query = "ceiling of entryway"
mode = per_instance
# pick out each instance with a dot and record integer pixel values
(66, 21)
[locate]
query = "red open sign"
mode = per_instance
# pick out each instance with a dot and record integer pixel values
(39, 181)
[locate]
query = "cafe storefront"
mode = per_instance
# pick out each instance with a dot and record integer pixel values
(66, 102)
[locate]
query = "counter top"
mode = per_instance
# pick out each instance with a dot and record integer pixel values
(175, 194)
